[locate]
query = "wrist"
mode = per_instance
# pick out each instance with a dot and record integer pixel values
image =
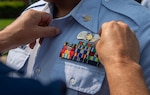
(120, 64)
(5, 40)
(125, 75)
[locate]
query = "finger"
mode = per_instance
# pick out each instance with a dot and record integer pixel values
(104, 27)
(119, 21)
(48, 31)
(31, 45)
(40, 18)
(45, 18)
(40, 41)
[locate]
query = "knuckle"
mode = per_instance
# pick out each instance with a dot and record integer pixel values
(125, 25)
(113, 22)
(31, 12)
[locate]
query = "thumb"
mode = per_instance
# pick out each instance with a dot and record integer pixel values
(48, 31)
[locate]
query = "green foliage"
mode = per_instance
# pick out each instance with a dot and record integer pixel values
(11, 9)
(5, 22)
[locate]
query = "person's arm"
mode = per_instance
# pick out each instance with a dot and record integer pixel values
(26, 29)
(118, 51)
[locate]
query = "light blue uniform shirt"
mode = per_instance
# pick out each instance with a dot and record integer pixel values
(83, 79)
(146, 3)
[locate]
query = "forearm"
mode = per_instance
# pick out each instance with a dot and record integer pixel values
(126, 79)
(6, 42)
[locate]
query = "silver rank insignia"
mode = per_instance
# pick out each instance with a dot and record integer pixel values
(84, 35)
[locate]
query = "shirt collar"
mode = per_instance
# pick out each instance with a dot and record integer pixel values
(124, 8)
(84, 13)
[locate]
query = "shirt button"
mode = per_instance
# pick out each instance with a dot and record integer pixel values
(38, 70)
(72, 81)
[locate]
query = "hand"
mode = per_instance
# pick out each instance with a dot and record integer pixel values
(27, 28)
(117, 44)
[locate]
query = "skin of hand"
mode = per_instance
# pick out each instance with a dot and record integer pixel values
(118, 51)
(26, 29)
(117, 43)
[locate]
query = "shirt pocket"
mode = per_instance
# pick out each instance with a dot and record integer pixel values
(83, 78)
(17, 58)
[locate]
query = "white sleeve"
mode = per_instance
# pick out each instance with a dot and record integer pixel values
(146, 3)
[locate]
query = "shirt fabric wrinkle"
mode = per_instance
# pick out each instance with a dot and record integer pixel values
(99, 11)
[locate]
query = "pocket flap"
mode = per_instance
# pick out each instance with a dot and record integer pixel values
(17, 58)
(86, 79)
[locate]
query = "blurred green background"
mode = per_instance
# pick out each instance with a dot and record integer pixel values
(4, 22)
(11, 9)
